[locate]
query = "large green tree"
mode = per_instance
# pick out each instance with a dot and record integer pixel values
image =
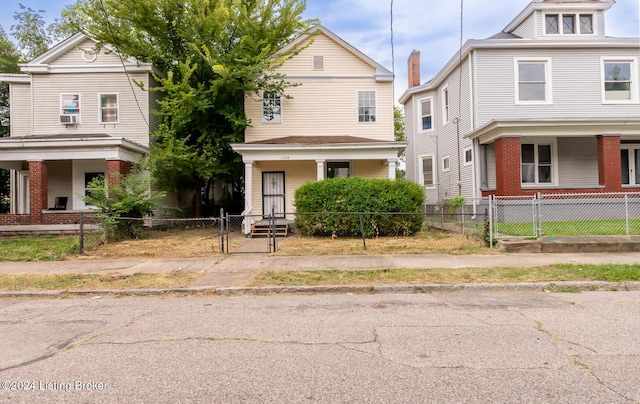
(211, 53)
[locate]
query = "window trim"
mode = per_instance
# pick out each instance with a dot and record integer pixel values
(548, 86)
(446, 167)
(576, 21)
(420, 101)
(421, 170)
(100, 108)
(630, 148)
(633, 98)
(326, 168)
(554, 162)
(375, 107)
(262, 108)
(446, 101)
(464, 156)
(64, 111)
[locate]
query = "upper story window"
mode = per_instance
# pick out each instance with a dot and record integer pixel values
(533, 81)
(366, 106)
(619, 81)
(69, 104)
(318, 63)
(426, 114)
(109, 108)
(271, 107)
(568, 23)
(445, 105)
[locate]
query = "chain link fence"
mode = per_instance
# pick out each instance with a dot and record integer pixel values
(592, 214)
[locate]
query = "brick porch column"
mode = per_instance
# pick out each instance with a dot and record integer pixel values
(38, 190)
(508, 176)
(115, 167)
(609, 165)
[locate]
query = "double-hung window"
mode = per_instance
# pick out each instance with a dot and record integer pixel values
(446, 163)
(109, 108)
(445, 105)
(366, 106)
(533, 81)
(427, 174)
(271, 107)
(619, 81)
(69, 104)
(537, 163)
(426, 114)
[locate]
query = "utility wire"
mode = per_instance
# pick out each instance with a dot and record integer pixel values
(393, 60)
(457, 120)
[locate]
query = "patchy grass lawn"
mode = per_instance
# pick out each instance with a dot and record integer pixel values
(177, 279)
(38, 248)
(551, 273)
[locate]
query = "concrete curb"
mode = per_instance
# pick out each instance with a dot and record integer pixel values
(335, 289)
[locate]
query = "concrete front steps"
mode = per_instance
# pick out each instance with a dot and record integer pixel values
(572, 244)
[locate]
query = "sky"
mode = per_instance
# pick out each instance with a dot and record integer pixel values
(429, 26)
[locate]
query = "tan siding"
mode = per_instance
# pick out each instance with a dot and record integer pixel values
(20, 109)
(296, 173)
(59, 181)
(337, 61)
(74, 57)
(46, 94)
(325, 108)
(369, 169)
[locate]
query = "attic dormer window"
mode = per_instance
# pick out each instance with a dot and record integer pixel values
(318, 63)
(572, 24)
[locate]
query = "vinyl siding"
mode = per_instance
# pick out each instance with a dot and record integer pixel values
(325, 102)
(74, 57)
(527, 29)
(491, 166)
(577, 162)
(20, 109)
(369, 169)
(59, 181)
(296, 173)
(576, 85)
(132, 125)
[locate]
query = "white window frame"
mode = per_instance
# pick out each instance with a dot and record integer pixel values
(420, 116)
(464, 156)
(548, 86)
(421, 159)
(375, 107)
(633, 99)
(66, 111)
(277, 117)
(576, 21)
(630, 148)
(554, 162)
(446, 100)
(446, 163)
(328, 163)
(100, 108)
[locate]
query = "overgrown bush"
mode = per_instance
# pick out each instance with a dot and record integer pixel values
(372, 197)
(121, 206)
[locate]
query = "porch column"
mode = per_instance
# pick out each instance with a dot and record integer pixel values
(248, 186)
(391, 163)
(508, 175)
(38, 190)
(609, 165)
(115, 169)
(320, 170)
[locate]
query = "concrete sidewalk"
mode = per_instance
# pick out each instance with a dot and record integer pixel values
(236, 270)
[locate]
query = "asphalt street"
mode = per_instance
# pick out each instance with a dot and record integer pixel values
(445, 347)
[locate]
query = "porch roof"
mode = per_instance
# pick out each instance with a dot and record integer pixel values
(69, 147)
(624, 127)
(319, 148)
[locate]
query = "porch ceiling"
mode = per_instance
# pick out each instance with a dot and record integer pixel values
(319, 148)
(495, 129)
(69, 147)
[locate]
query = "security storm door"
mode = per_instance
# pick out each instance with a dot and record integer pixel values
(273, 193)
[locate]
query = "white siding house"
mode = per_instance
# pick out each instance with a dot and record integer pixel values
(550, 104)
(337, 121)
(75, 114)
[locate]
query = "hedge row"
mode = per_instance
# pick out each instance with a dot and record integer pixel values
(353, 195)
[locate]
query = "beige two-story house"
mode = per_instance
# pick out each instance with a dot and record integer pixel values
(75, 114)
(336, 122)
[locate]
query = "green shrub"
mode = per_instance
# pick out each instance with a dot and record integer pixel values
(350, 196)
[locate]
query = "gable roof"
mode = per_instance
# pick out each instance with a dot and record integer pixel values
(41, 64)
(382, 73)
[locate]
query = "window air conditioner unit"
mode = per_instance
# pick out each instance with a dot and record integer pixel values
(69, 119)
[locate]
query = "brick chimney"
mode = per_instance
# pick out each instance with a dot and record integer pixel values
(414, 68)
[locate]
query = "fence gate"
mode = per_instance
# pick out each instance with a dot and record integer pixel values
(248, 234)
